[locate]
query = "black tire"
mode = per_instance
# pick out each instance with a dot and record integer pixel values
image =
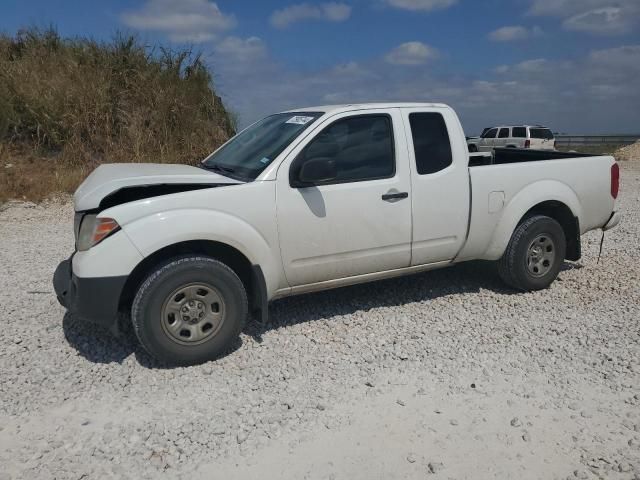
(518, 264)
(156, 292)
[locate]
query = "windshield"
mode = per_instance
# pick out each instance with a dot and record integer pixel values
(251, 151)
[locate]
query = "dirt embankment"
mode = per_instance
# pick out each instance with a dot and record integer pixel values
(630, 152)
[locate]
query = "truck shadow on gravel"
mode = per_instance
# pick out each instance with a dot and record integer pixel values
(98, 345)
(468, 277)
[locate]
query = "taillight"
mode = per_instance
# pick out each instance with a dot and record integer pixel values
(527, 143)
(615, 180)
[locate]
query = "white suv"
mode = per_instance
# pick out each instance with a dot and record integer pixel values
(535, 137)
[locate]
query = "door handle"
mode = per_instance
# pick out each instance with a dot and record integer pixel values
(392, 196)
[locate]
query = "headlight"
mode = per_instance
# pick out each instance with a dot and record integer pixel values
(93, 230)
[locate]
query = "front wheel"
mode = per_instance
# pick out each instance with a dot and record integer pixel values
(189, 310)
(534, 255)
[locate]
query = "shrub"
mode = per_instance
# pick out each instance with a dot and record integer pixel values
(75, 103)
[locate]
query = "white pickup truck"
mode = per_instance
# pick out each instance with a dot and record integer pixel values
(315, 199)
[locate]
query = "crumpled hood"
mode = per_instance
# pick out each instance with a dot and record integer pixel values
(110, 178)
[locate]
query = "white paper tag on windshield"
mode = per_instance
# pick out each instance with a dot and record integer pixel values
(299, 120)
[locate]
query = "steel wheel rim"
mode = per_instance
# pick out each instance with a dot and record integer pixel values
(193, 313)
(541, 255)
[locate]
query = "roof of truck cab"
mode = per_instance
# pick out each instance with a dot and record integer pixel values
(365, 106)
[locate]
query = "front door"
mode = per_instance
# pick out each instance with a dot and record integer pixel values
(487, 141)
(358, 222)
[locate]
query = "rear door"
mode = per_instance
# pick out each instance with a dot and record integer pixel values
(439, 184)
(518, 136)
(503, 138)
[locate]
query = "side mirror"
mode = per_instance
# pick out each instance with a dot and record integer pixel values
(317, 170)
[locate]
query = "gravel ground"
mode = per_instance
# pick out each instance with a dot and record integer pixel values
(445, 374)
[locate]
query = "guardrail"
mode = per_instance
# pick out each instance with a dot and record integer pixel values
(568, 140)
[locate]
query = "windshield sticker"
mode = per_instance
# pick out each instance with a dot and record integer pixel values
(265, 160)
(299, 120)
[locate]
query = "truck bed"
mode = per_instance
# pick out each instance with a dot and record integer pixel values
(505, 185)
(501, 156)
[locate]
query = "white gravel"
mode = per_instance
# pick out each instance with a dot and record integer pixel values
(440, 375)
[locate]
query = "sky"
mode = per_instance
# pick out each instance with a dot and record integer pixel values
(573, 65)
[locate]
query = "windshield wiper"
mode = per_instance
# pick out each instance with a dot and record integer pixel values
(218, 168)
(226, 171)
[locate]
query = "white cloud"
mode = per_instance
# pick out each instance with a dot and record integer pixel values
(600, 17)
(567, 8)
(608, 20)
(242, 50)
(532, 66)
(411, 53)
(330, 12)
(514, 33)
(351, 70)
(184, 21)
(620, 58)
(422, 5)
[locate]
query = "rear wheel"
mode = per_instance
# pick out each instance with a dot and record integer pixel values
(189, 310)
(534, 255)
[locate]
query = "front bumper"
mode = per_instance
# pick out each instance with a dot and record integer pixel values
(614, 220)
(92, 299)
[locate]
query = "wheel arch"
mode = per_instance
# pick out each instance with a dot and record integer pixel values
(250, 274)
(570, 224)
(551, 198)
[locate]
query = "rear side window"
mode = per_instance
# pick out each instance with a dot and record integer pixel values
(543, 133)
(361, 147)
(519, 132)
(430, 142)
(504, 133)
(491, 133)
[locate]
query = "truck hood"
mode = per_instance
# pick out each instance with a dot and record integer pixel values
(134, 181)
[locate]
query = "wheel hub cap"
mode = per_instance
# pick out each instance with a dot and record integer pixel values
(541, 256)
(193, 313)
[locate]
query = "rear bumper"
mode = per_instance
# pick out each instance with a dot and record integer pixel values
(614, 220)
(95, 300)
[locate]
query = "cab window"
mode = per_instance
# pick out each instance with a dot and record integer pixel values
(491, 133)
(541, 133)
(519, 132)
(361, 147)
(431, 142)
